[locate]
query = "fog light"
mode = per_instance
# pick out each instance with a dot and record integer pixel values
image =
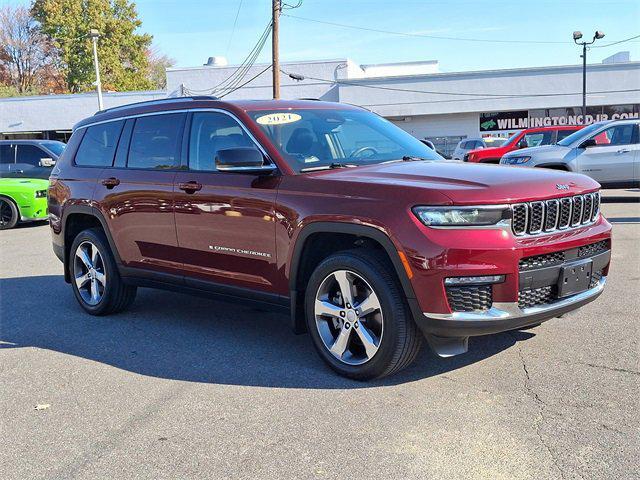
(482, 280)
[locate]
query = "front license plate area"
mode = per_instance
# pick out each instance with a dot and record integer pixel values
(574, 278)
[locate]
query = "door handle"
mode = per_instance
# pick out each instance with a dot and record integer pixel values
(623, 150)
(190, 187)
(110, 182)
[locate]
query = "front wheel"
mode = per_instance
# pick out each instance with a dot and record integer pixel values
(8, 214)
(358, 318)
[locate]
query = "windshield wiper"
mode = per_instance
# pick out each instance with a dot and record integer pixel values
(328, 167)
(411, 158)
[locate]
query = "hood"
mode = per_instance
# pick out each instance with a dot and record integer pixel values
(542, 150)
(463, 183)
(35, 183)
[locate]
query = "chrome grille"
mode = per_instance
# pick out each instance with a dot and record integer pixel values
(553, 212)
(536, 217)
(565, 213)
(576, 214)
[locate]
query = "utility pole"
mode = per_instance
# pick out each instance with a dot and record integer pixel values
(94, 34)
(275, 58)
(577, 36)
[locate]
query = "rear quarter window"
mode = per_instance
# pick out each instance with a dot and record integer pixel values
(99, 145)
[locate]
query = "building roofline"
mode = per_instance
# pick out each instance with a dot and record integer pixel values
(84, 94)
(400, 64)
(485, 73)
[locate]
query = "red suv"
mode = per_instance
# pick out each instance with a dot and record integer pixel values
(363, 234)
(530, 137)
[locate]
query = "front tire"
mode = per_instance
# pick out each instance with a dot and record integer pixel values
(358, 318)
(9, 214)
(95, 279)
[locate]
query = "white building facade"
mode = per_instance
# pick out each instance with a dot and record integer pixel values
(442, 107)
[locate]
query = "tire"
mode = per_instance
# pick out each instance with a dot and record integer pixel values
(9, 214)
(91, 265)
(391, 336)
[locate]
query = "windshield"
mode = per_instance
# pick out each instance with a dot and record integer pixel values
(565, 142)
(494, 142)
(55, 147)
(323, 138)
(511, 139)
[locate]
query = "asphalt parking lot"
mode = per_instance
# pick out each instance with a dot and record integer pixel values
(184, 387)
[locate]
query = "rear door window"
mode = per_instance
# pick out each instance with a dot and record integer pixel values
(155, 142)
(99, 145)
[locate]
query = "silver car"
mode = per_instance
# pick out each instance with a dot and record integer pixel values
(468, 144)
(608, 152)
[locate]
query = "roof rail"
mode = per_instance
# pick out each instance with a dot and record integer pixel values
(158, 101)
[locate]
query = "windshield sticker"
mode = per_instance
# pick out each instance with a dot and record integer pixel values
(278, 118)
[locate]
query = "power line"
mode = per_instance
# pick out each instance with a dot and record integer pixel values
(247, 82)
(616, 43)
(233, 29)
(238, 75)
(442, 37)
(485, 96)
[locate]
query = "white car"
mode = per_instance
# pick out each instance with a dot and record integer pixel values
(468, 144)
(608, 152)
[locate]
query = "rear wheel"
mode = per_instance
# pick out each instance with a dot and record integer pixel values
(9, 214)
(358, 317)
(95, 279)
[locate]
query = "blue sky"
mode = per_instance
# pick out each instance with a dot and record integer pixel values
(192, 30)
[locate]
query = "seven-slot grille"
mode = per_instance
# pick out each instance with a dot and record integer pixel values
(536, 217)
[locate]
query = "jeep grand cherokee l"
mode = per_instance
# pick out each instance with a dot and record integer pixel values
(366, 236)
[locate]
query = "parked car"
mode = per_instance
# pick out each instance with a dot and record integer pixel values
(468, 144)
(529, 137)
(364, 235)
(22, 200)
(29, 158)
(430, 144)
(608, 152)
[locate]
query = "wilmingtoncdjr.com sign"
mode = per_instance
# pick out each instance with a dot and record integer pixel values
(523, 119)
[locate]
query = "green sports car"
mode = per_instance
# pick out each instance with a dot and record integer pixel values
(22, 200)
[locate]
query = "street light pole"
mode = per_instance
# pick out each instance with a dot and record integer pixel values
(94, 34)
(577, 36)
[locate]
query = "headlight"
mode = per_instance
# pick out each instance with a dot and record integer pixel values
(461, 216)
(41, 193)
(516, 160)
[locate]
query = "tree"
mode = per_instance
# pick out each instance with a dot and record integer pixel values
(158, 64)
(24, 51)
(121, 50)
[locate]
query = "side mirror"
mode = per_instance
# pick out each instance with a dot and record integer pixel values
(47, 162)
(591, 142)
(523, 144)
(242, 160)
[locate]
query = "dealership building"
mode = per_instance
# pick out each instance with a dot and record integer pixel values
(417, 96)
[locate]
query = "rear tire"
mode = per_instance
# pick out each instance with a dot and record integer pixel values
(9, 214)
(95, 278)
(369, 335)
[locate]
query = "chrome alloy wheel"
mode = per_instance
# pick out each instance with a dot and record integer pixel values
(348, 317)
(89, 273)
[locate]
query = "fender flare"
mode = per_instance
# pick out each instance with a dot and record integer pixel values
(297, 322)
(363, 231)
(94, 212)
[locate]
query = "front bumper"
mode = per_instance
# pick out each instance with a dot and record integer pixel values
(504, 316)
